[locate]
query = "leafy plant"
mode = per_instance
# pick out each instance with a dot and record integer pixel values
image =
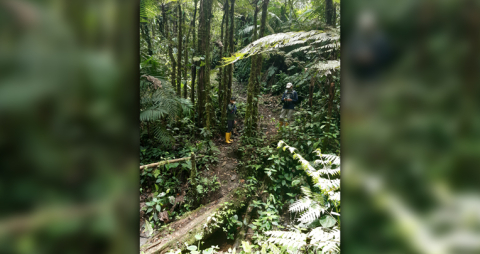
(327, 236)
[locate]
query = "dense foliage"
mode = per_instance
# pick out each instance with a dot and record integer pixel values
(192, 54)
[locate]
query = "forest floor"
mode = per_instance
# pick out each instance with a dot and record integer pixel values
(226, 170)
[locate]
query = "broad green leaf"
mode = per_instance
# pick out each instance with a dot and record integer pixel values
(327, 221)
(192, 247)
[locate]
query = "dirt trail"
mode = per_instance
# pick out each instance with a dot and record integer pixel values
(225, 169)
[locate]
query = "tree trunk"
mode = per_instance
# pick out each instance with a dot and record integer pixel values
(208, 99)
(230, 51)
(201, 71)
(251, 115)
(334, 14)
(329, 12)
(326, 141)
(251, 81)
(310, 97)
(185, 87)
(221, 89)
(259, 64)
(170, 50)
(225, 98)
(179, 49)
(194, 68)
(146, 36)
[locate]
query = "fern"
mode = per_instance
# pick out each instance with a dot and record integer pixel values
(325, 239)
(313, 205)
(300, 205)
(313, 213)
(280, 40)
(159, 104)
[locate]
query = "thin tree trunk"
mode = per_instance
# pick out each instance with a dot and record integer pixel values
(329, 113)
(208, 99)
(170, 50)
(251, 115)
(225, 98)
(251, 80)
(194, 68)
(201, 71)
(221, 89)
(334, 18)
(179, 49)
(329, 12)
(146, 36)
(231, 50)
(310, 97)
(258, 65)
(185, 87)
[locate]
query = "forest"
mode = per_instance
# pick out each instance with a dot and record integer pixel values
(239, 126)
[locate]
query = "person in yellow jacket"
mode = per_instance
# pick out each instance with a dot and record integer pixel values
(231, 111)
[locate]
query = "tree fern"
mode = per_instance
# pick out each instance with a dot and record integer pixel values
(280, 40)
(159, 104)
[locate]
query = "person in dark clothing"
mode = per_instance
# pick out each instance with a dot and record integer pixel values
(289, 98)
(231, 111)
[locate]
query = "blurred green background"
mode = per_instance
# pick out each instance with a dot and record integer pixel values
(68, 126)
(410, 126)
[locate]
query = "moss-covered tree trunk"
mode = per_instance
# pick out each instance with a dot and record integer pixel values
(185, 64)
(146, 36)
(225, 70)
(329, 12)
(221, 89)
(230, 52)
(179, 49)
(208, 100)
(251, 80)
(258, 65)
(194, 67)
(201, 71)
(334, 18)
(170, 50)
(251, 115)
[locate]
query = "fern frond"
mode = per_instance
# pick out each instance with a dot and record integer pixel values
(300, 205)
(291, 240)
(281, 40)
(335, 196)
(327, 185)
(152, 114)
(311, 214)
(326, 239)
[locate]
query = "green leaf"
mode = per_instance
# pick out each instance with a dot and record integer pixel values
(199, 189)
(192, 247)
(327, 221)
(158, 208)
(198, 237)
(246, 247)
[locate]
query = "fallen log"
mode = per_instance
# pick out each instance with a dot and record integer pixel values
(166, 162)
(207, 220)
